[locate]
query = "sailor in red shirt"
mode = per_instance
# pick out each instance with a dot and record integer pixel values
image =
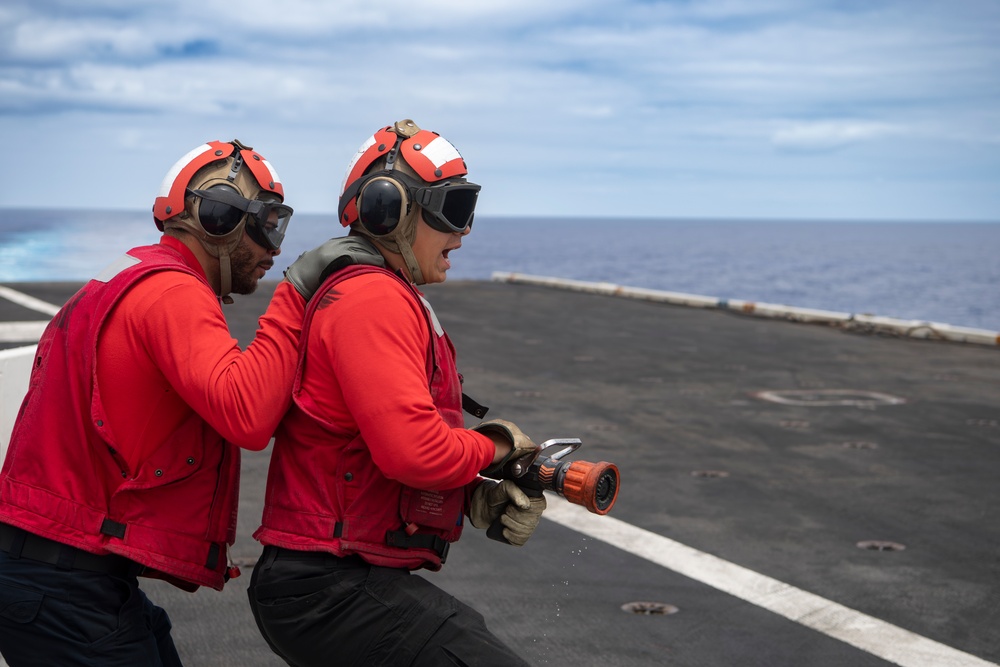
(124, 459)
(372, 469)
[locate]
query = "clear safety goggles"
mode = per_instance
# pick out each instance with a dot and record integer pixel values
(266, 220)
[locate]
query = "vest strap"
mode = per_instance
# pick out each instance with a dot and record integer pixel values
(475, 409)
(399, 538)
(12, 540)
(20, 543)
(113, 528)
(213, 556)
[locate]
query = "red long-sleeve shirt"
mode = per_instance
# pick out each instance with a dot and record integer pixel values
(166, 350)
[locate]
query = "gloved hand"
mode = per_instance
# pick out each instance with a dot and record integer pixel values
(505, 501)
(521, 456)
(312, 267)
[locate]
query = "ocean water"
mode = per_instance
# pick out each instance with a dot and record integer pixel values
(941, 272)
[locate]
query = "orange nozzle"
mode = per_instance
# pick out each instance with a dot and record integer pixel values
(593, 485)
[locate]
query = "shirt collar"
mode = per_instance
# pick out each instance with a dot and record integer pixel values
(189, 257)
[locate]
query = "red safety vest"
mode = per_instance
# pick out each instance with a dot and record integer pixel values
(354, 508)
(175, 514)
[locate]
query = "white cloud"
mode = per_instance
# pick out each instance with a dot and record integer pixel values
(47, 40)
(829, 134)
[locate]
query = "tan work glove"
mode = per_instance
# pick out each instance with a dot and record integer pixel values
(522, 455)
(505, 501)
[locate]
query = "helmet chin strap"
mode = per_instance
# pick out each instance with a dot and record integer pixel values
(406, 250)
(220, 248)
(225, 275)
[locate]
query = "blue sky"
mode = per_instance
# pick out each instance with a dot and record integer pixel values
(788, 109)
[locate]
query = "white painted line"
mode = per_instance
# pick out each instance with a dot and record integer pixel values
(22, 332)
(28, 301)
(867, 633)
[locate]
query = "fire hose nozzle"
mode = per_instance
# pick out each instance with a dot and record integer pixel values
(592, 485)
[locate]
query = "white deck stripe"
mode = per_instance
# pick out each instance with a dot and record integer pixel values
(28, 301)
(879, 638)
(22, 332)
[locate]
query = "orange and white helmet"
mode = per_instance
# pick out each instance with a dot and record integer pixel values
(420, 167)
(190, 195)
(218, 191)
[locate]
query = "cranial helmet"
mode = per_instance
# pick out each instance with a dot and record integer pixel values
(397, 173)
(216, 192)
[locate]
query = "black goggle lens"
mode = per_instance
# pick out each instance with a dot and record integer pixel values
(459, 206)
(449, 208)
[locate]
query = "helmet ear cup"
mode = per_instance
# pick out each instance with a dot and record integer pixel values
(382, 203)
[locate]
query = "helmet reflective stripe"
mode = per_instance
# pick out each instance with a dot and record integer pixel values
(170, 201)
(357, 156)
(270, 168)
(440, 151)
(171, 176)
(432, 157)
(263, 172)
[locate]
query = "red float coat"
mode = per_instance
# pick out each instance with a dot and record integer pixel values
(117, 447)
(372, 458)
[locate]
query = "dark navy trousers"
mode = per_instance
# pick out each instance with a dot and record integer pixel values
(315, 609)
(53, 616)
